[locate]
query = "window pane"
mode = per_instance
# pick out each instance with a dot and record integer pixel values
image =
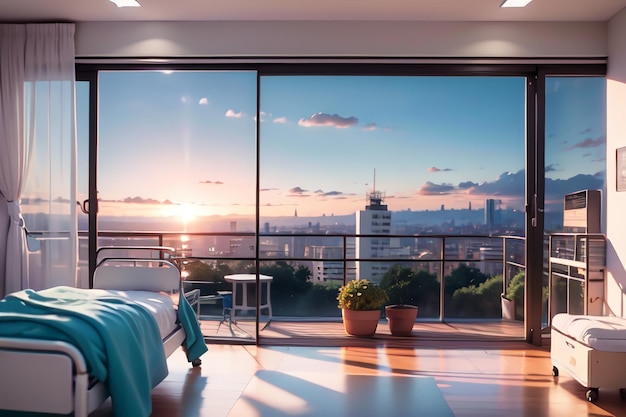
(576, 166)
(575, 141)
(177, 151)
(436, 147)
(403, 156)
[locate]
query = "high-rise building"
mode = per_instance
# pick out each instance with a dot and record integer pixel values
(374, 220)
(493, 212)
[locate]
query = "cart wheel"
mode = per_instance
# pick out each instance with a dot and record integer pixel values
(592, 395)
(555, 371)
(196, 362)
(622, 393)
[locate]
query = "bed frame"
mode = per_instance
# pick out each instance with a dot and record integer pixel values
(51, 376)
(592, 368)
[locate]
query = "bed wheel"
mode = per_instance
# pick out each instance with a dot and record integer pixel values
(592, 395)
(196, 362)
(555, 371)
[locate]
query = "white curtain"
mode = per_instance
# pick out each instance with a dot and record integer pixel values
(37, 156)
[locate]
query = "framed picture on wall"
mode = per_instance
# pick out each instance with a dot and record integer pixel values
(621, 169)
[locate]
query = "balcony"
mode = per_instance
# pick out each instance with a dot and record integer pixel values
(460, 280)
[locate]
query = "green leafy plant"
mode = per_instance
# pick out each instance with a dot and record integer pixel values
(361, 294)
(515, 289)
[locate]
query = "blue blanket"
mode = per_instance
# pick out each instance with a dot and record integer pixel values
(119, 339)
(194, 343)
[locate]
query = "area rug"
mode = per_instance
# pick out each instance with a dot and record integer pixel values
(324, 394)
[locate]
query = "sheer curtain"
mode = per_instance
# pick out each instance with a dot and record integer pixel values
(37, 156)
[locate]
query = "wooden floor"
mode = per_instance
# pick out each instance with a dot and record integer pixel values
(463, 378)
(331, 333)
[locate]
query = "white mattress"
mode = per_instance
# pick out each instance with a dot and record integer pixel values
(606, 333)
(161, 306)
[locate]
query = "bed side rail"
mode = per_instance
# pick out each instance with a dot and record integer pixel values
(136, 274)
(131, 252)
(42, 376)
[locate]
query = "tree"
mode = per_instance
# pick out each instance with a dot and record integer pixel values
(478, 301)
(463, 276)
(405, 286)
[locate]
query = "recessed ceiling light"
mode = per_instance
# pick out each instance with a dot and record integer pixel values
(515, 3)
(126, 3)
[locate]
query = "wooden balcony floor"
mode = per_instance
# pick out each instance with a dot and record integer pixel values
(511, 379)
(331, 333)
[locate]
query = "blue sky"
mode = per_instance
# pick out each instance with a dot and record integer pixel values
(184, 143)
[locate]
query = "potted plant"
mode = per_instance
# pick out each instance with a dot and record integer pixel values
(513, 298)
(401, 285)
(360, 301)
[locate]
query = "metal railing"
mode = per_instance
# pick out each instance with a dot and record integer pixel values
(440, 254)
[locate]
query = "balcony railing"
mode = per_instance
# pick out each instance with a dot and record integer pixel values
(455, 277)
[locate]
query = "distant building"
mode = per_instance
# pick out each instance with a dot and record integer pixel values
(327, 268)
(493, 213)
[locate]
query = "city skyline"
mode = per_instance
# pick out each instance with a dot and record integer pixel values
(183, 144)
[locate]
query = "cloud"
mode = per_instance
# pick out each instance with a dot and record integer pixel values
(430, 188)
(281, 120)
(297, 190)
(140, 200)
(556, 189)
(323, 119)
(589, 143)
(203, 101)
(551, 168)
(234, 114)
(371, 127)
(506, 184)
(467, 185)
(512, 185)
(435, 169)
(211, 182)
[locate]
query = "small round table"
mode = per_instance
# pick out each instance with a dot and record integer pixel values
(244, 280)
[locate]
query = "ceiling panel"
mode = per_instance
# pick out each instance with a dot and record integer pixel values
(181, 10)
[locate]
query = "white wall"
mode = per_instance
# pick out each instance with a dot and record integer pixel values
(336, 38)
(616, 138)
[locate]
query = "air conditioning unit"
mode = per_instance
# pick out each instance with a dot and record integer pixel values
(581, 212)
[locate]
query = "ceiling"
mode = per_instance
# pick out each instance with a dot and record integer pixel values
(204, 10)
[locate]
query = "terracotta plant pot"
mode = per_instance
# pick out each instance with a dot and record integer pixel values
(401, 318)
(360, 322)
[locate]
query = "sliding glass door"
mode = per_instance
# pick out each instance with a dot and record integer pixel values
(314, 178)
(433, 166)
(177, 168)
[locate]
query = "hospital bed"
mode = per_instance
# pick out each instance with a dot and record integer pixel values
(59, 375)
(592, 349)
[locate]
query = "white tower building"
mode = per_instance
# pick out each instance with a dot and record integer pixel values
(374, 220)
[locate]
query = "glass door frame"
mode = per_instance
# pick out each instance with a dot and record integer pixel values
(535, 141)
